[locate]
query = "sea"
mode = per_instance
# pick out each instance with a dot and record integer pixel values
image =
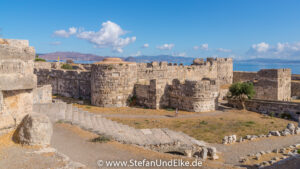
(244, 65)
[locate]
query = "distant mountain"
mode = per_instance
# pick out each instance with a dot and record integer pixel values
(161, 58)
(76, 56)
(71, 55)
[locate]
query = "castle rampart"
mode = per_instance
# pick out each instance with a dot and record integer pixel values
(112, 81)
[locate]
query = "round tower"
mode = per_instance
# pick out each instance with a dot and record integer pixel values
(112, 82)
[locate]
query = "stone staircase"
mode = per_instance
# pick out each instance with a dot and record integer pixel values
(162, 140)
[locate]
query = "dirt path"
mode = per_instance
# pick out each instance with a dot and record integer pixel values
(232, 153)
(74, 143)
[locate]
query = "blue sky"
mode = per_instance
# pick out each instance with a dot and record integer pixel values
(192, 28)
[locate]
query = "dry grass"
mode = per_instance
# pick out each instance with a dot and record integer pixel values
(131, 111)
(213, 128)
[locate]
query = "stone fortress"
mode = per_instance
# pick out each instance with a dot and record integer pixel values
(115, 83)
(197, 87)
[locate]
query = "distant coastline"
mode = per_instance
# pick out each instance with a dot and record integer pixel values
(238, 65)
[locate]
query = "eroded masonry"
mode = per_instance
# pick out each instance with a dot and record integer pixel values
(116, 83)
(17, 81)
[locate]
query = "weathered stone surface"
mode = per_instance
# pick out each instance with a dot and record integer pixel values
(42, 94)
(35, 129)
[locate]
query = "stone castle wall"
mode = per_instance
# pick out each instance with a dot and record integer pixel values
(295, 89)
(68, 83)
(269, 84)
(241, 76)
(17, 81)
(111, 83)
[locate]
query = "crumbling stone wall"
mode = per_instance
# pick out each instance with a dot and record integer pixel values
(271, 107)
(17, 81)
(195, 96)
(68, 83)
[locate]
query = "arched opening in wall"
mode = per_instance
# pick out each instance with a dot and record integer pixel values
(175, 153)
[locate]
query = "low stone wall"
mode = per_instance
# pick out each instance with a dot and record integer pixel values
(274, 108)
(68, 83)
(42, 94)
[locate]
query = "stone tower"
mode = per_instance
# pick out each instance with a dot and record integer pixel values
(112, 82)
(273, 84)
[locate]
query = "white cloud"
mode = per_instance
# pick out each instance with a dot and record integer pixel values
(223, 50)
(182, 54)
(138, 53)
(65, 34)
(280, 50)
(109, 36)
(56, 43)
(202, 47)
(146, 45)
(261, 47)
(166, 46)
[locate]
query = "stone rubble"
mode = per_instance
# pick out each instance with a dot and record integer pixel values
(290, 130)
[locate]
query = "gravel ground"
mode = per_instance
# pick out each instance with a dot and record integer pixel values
(232, 153)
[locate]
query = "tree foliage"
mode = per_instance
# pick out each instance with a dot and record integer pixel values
(240, 90)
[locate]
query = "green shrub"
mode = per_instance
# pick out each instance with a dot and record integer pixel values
(39, 60)
(66, 66)
(298, 151)
(100, 139)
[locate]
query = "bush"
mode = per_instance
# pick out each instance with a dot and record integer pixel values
(298, 151)
(39, 60)
(66, 66)
(100, 139)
